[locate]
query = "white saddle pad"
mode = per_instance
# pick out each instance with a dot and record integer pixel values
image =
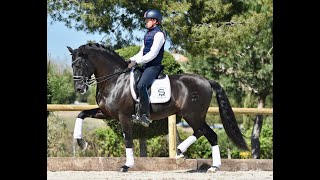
(160, 89)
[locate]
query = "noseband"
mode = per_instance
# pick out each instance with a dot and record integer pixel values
(86, 80)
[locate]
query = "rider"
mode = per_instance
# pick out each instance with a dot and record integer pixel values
(150, 55)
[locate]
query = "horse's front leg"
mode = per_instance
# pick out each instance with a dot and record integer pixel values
(126, 125)
(77, 133)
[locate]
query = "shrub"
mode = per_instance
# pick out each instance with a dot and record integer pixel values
(266, 140)
(57, 137)
(107, 143)
(158, 146)
(59, 85)
(104, 142)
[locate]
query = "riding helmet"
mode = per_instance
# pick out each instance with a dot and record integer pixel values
(153, 13)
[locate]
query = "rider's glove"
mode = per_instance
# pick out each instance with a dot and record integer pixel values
(132, 64)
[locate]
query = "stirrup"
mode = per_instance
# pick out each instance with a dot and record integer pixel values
(136, 119)
(145, 121)
(145, 124)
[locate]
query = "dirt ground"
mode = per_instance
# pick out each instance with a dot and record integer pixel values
(159, 175)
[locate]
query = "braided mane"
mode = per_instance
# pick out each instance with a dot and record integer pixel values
(100, 47)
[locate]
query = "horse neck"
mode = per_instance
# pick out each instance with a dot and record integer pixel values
(107, 68)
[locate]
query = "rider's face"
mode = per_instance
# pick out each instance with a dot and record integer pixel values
(150, 22)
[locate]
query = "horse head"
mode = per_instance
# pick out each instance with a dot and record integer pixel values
(82, 70)
(94, 59)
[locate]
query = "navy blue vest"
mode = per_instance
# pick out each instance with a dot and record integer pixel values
(148, 41)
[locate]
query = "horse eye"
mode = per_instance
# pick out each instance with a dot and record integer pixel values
(76, 65)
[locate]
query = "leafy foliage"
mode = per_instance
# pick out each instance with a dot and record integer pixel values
(57, 137)
(116, 18)
(59, 85)
(170, 65)
(108, 143)
(158, 146)
(266, 140)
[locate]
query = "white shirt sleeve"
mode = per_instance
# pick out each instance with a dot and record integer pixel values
(138, 55)
(158, 41)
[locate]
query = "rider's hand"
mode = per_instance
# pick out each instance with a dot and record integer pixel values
(132, 63)
(128, 61)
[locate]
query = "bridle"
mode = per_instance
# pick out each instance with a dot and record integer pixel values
(92, 81)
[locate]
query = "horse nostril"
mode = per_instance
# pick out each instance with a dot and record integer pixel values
(78, 89)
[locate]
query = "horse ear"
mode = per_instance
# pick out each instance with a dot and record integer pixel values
(70, 49)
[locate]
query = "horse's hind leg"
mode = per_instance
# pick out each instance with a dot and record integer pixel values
(213, 140)
(182, 147)
(77, 133)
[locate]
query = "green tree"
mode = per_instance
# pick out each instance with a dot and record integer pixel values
(59, 85)
(252, 63)
(236, 51)
(118, 19)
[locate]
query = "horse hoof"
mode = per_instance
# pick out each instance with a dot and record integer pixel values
(212, 169)
(135, 119)
(83, 144)
(180, 158)
(124, 168)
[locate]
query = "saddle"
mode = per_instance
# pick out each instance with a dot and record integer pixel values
(160, 90)
(137, 75)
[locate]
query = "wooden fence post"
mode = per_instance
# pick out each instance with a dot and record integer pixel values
(172, 128)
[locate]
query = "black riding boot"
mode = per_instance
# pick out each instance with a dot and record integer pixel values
(144, 106)
(143, 114)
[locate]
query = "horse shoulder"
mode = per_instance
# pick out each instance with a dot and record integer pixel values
(104, 109)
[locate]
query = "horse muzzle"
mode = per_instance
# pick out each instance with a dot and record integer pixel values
(81, 88)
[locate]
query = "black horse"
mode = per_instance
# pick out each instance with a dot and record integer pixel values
(190, 97)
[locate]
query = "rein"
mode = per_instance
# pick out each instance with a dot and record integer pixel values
(90, 81)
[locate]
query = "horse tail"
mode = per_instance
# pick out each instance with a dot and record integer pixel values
(227, 117)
